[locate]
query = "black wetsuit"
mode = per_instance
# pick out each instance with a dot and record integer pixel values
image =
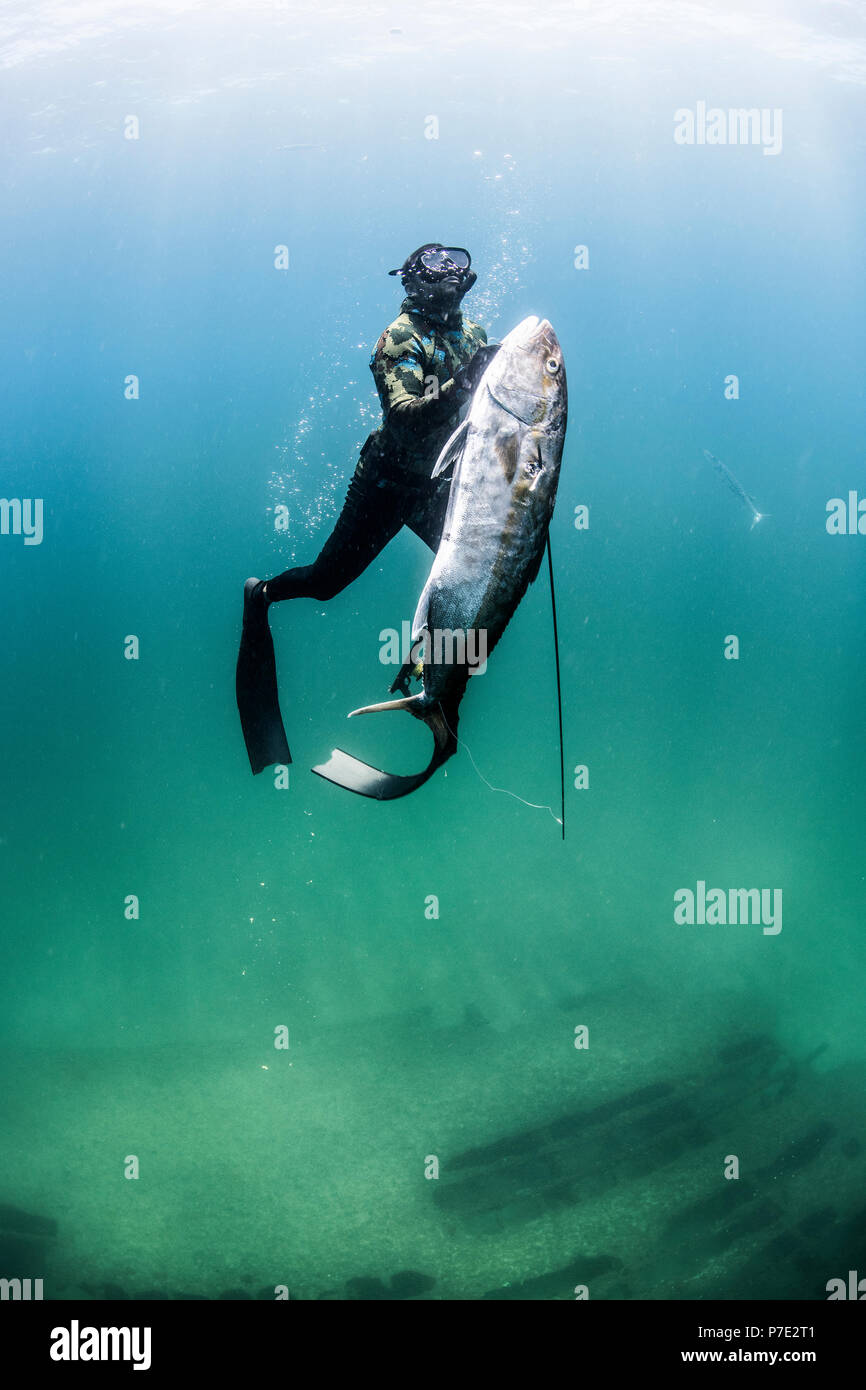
(413, 365)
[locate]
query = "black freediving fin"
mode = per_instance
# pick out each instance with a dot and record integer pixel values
(256, 687)
(348, 772)
(345, 771)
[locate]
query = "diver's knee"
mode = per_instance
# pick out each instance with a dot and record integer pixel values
(324, 589)
(305, 581)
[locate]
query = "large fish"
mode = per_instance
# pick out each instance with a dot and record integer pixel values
(506, 457)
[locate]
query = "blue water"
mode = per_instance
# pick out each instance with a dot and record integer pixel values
(413, 1036)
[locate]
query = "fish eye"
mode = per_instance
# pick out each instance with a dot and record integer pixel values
(552, 365)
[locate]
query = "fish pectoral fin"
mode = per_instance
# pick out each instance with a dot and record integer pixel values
(452, 449)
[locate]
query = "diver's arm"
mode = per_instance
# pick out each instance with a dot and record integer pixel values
(414, 400)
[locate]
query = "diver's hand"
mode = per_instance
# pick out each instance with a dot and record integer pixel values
(467, 378)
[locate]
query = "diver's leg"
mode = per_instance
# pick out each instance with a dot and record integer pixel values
(427, 519)
(371, 517)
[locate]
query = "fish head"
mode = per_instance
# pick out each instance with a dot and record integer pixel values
(527, 376)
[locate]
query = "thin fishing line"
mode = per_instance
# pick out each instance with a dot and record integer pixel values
(558, 686)
(533, 805)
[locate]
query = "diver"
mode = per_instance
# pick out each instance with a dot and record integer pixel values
(426, 366)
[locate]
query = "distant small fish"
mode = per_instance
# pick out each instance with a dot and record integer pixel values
(736, 487)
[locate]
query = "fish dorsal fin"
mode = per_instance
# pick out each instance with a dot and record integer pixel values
(452, 450)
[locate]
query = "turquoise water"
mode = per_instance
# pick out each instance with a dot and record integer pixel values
(306, 908)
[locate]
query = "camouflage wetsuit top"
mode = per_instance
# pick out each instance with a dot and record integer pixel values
(413, 366)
